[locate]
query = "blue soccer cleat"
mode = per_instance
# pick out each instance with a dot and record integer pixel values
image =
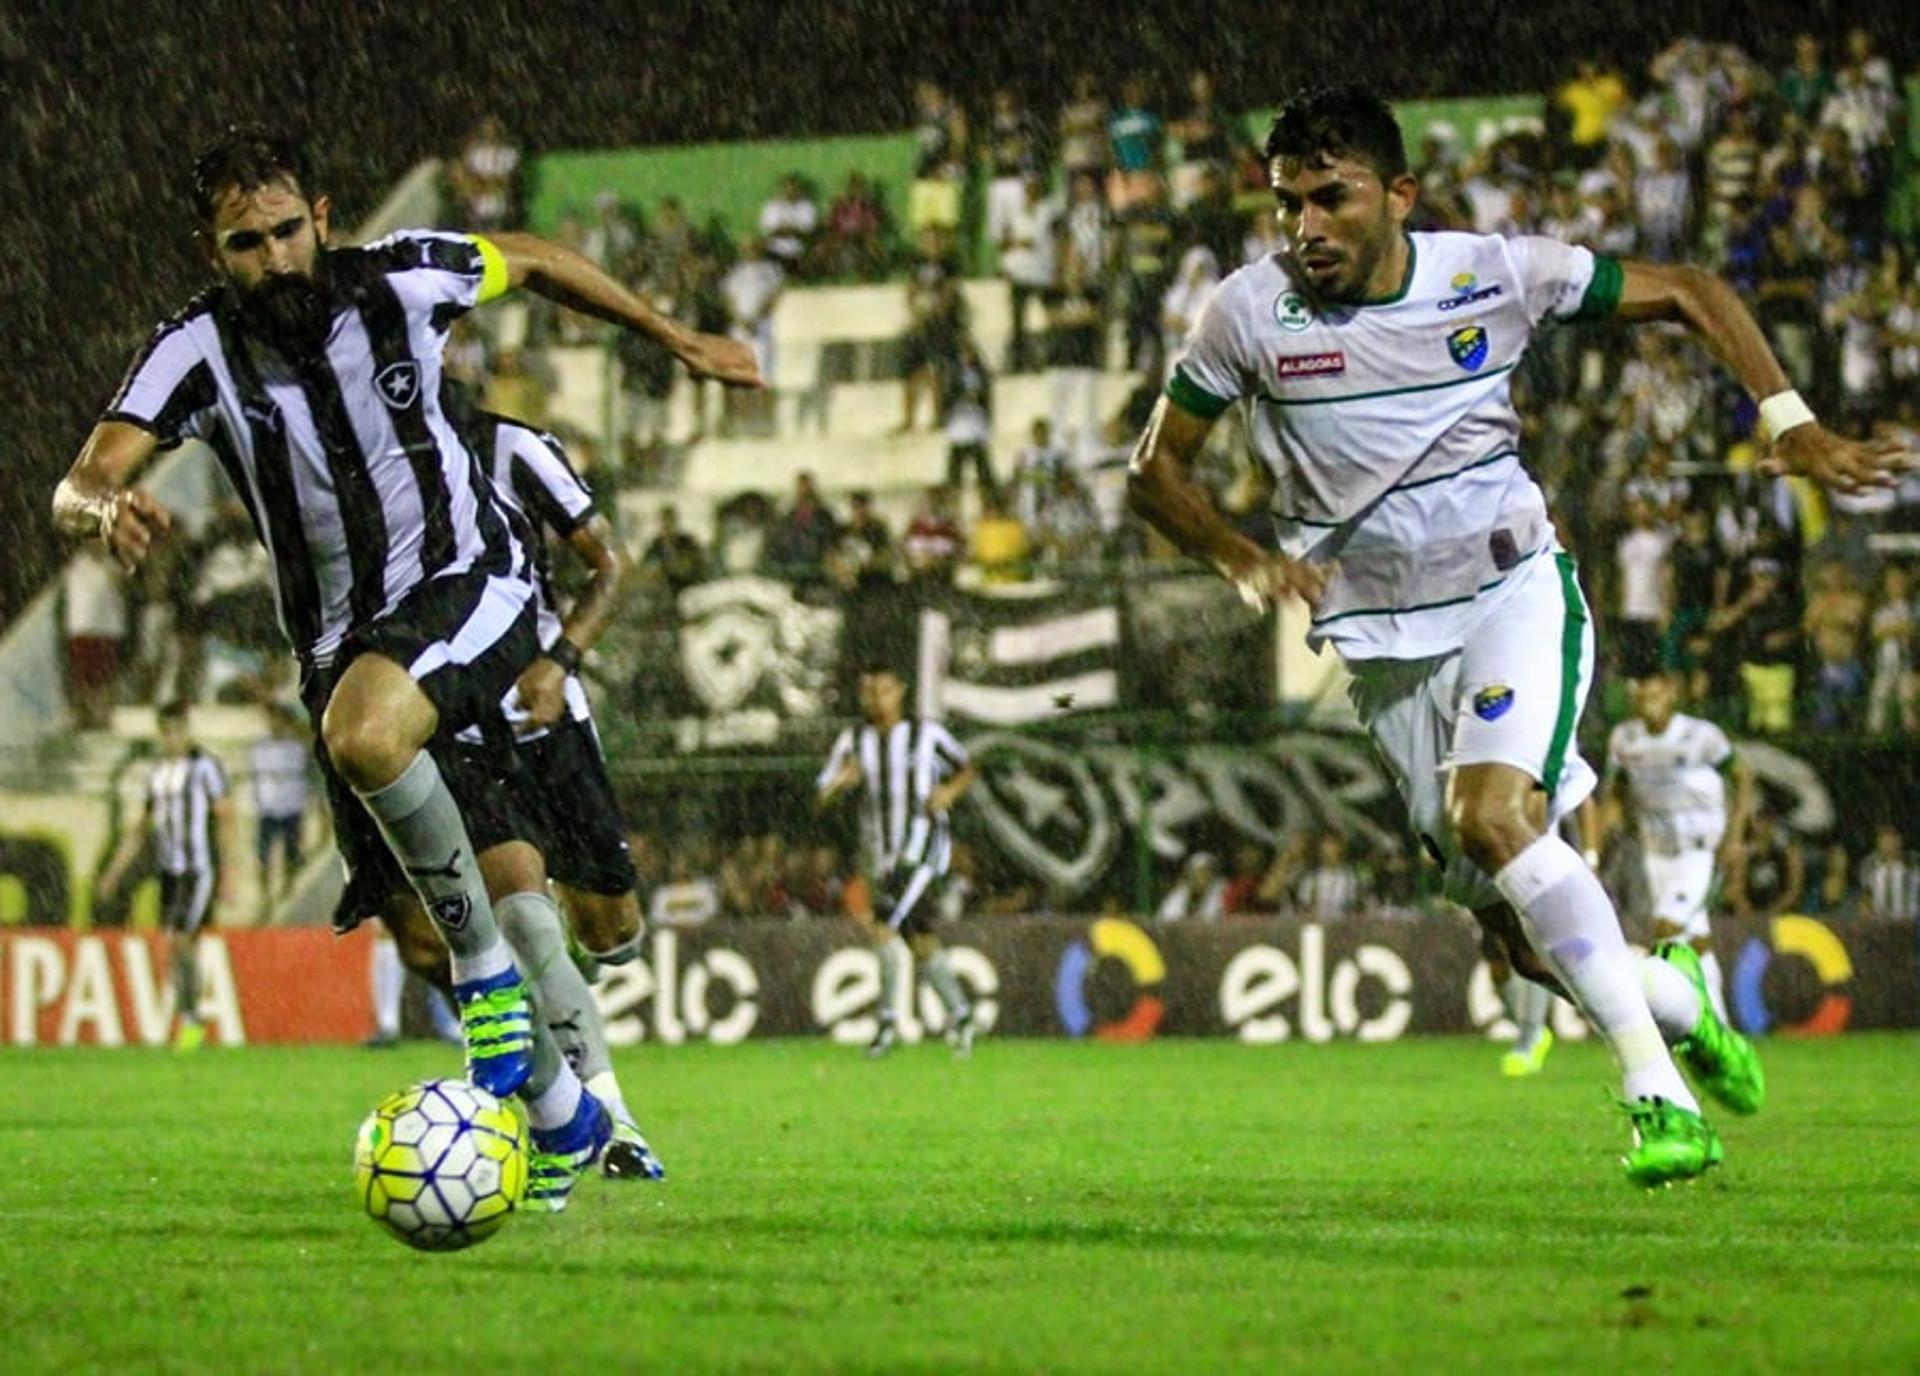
(497, 1023)
(561, 1155)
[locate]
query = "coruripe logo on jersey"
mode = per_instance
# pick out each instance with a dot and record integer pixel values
(1466, 291)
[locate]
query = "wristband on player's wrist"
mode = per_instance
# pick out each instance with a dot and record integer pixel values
(564, 653)
(1783, 411)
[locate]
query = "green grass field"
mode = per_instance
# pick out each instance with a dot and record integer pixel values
(1047, 1207)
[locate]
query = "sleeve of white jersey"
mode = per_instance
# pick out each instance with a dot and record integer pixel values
(1563, 281)
(169, 389)
(431, 268)
(1715, 747)
(947, 750)
(1216, 370)
(559, 498)
(836, 759)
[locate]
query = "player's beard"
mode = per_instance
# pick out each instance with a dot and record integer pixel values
(290, 311)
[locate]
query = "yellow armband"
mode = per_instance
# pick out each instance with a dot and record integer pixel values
(493, 270)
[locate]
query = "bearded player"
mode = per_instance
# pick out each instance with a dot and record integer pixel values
(1373, 369)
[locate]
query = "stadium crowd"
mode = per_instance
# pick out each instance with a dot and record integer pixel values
(1111, 218)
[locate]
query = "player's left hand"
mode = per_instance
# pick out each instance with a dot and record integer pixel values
(543, 694)
(1813, 451)
(725, 360)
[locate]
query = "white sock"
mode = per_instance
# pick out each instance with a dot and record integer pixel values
(947, 985)
(1571, 922)
(893, 960)
(389, 978)
(1716, 984)
(1671, 998)
(554, 1106)
(606, 1089)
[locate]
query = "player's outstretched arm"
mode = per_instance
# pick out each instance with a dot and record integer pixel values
(559, 274)
(1715, 314)
(94, 501)
(1161, 492)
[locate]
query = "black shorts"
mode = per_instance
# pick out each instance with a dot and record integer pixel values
(464, 638)
(185, 900)
(282, 833)
(567, 792)
(903, 900)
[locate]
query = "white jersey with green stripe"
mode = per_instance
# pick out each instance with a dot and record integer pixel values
(1389, 428)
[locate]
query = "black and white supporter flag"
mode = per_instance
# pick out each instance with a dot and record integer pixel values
(1007, 656)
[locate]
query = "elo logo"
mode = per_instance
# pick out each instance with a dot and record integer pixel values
(1133, 948)
(1813, 942)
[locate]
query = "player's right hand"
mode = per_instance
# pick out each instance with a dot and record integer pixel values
(135, 520)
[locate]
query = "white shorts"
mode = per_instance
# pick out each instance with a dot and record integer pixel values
(1512, 694)
(1679, 886)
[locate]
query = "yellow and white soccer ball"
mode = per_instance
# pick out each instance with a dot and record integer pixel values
(441, 1165)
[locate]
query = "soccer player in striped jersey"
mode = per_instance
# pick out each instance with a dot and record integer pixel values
(314, 373)
(1673, 771)
(1373, 369)
(909, 773)
(189, 821)
(547, 812)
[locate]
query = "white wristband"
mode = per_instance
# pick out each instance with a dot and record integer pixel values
(1783, 411)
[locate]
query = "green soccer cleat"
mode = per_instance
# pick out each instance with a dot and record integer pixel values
(497, 1024)
(1721, 1059)
(1669, 1143)
(1517, 1064)
(560, 1156)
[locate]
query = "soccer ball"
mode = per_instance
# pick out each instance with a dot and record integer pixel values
(441, 1165)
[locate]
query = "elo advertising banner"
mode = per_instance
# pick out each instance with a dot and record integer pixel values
(1258, 980)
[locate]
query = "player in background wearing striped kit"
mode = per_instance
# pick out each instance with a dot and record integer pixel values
(909, 773)
(189, 822)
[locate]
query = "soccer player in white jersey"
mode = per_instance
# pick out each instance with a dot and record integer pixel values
(1674, 771)
(1372, 367)
(909, 773)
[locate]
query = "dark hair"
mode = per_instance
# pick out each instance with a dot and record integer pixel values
(173, 711)
(1340, 122)
(243, 158)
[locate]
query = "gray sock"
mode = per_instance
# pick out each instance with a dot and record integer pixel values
(422, 824)
(947, 985)
(186, 979)
(561, 999)
(1527, 1004)
(892, 953)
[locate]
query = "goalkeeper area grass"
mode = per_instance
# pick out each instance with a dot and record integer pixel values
(1049, 1206)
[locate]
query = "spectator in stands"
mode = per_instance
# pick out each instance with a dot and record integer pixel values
(647, 375)
(789, 223)
(865, 552)
(1199, 896)
(1186, 298)
(485, 178)
(1891, 697)
(1589, 100)
(1332, 888)
(670, 251)
(940, 160)
(1137, 141)
(1733, 168)
(1695, 565)
(1146, 266)
(280, 765)
(856, 238)
(1889, 880)
(1013, 155)
(673, 559)
(934, 543)
(1863, 102)
(1034, 468)
(1830, 881)
(1066, 527)
(94, 619)
(1029, 247)
(1083, 131)
(1242, 893)
(801, 539)
(1001, 549)
(1643, 583)
(1768, 876)
(1806, 84)
(936, 319)
(1763, 621)
(614, 236)
(966, 415)
(752, 289)
(1204, 133)
(1663, 194)
(1836, 617)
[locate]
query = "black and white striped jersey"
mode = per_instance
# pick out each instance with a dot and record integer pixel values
(530, 469)
(899, 770)
(180, 797)
(358, 483)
